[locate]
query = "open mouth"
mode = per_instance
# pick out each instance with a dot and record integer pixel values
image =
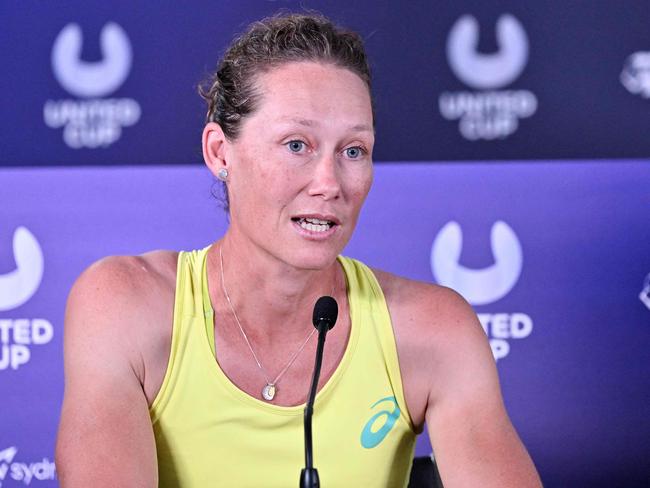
(314, 225)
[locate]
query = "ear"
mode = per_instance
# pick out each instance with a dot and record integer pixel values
(214, 144)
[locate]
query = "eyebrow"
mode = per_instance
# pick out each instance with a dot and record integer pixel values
(313, 123)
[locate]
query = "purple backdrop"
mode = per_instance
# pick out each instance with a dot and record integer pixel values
(552, 256)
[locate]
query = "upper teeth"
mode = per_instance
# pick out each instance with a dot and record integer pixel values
(314, 225)
(316, 221)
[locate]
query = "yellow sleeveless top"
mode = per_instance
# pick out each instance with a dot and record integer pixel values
(209, 433)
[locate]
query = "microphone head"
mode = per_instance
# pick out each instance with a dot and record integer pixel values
(325, 310)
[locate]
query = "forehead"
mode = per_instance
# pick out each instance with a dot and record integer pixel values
(314, 91)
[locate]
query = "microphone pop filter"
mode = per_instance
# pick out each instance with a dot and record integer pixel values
(325, 310)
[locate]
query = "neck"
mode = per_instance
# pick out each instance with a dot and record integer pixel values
(269, 296)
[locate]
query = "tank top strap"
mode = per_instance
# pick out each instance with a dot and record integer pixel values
(189, 302)
(190, 283)
(369, 299)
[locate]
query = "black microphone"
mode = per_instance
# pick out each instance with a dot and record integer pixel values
(326, 311)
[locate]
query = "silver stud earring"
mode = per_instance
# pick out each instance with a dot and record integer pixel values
(222, 174)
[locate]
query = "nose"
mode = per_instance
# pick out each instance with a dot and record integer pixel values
(326, 178)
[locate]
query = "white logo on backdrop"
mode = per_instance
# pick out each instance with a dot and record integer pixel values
(486, 285)
(6, 457)
(644, 296)
(19, 285)
(91, 79)
(483, 71)
(17, 336)
(636, 74)
(93, 122)
(487, 114)
(25, 472)
(478, 286)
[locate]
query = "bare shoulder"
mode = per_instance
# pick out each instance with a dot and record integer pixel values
(118, 284)
(116, 277)
(126, 302)
(427, 310)
(438, 335)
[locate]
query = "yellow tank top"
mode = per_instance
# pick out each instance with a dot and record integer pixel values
(209, 433)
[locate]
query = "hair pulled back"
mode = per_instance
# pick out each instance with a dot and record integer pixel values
(266, 44)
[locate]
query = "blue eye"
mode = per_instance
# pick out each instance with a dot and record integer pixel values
(354, 152)
(295, 146)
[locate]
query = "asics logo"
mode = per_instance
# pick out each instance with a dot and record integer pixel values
(95, 79)
(478, 286)
(485, 71)
(372, 435)
(19, 285)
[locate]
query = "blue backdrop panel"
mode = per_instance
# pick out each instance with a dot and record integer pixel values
(115, 83)
(554, 258)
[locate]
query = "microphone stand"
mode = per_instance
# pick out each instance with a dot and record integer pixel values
(309, 474)
(323, 318)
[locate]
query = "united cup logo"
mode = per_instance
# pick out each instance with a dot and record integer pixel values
(487, 285)
(19, 335)
(635, 76)
(91, 121)
(489, 112)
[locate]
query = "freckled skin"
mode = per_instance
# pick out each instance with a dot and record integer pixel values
(268, 183)
(305, 151)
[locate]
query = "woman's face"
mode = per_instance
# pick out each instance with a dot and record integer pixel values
(301, 166)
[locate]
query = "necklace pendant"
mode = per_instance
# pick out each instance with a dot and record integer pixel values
(268, 392)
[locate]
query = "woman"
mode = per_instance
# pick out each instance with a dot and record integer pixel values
(290, 133)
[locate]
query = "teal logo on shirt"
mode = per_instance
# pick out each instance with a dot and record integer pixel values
(371, 438)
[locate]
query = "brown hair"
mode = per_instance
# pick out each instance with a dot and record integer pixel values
(266, 44)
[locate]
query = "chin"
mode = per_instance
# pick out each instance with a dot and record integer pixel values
(312, 260)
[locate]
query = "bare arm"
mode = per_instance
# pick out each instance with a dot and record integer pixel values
(105, 436)
(450, 380)
(473, 439)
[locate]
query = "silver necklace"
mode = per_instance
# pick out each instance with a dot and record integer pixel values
(270, 389)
